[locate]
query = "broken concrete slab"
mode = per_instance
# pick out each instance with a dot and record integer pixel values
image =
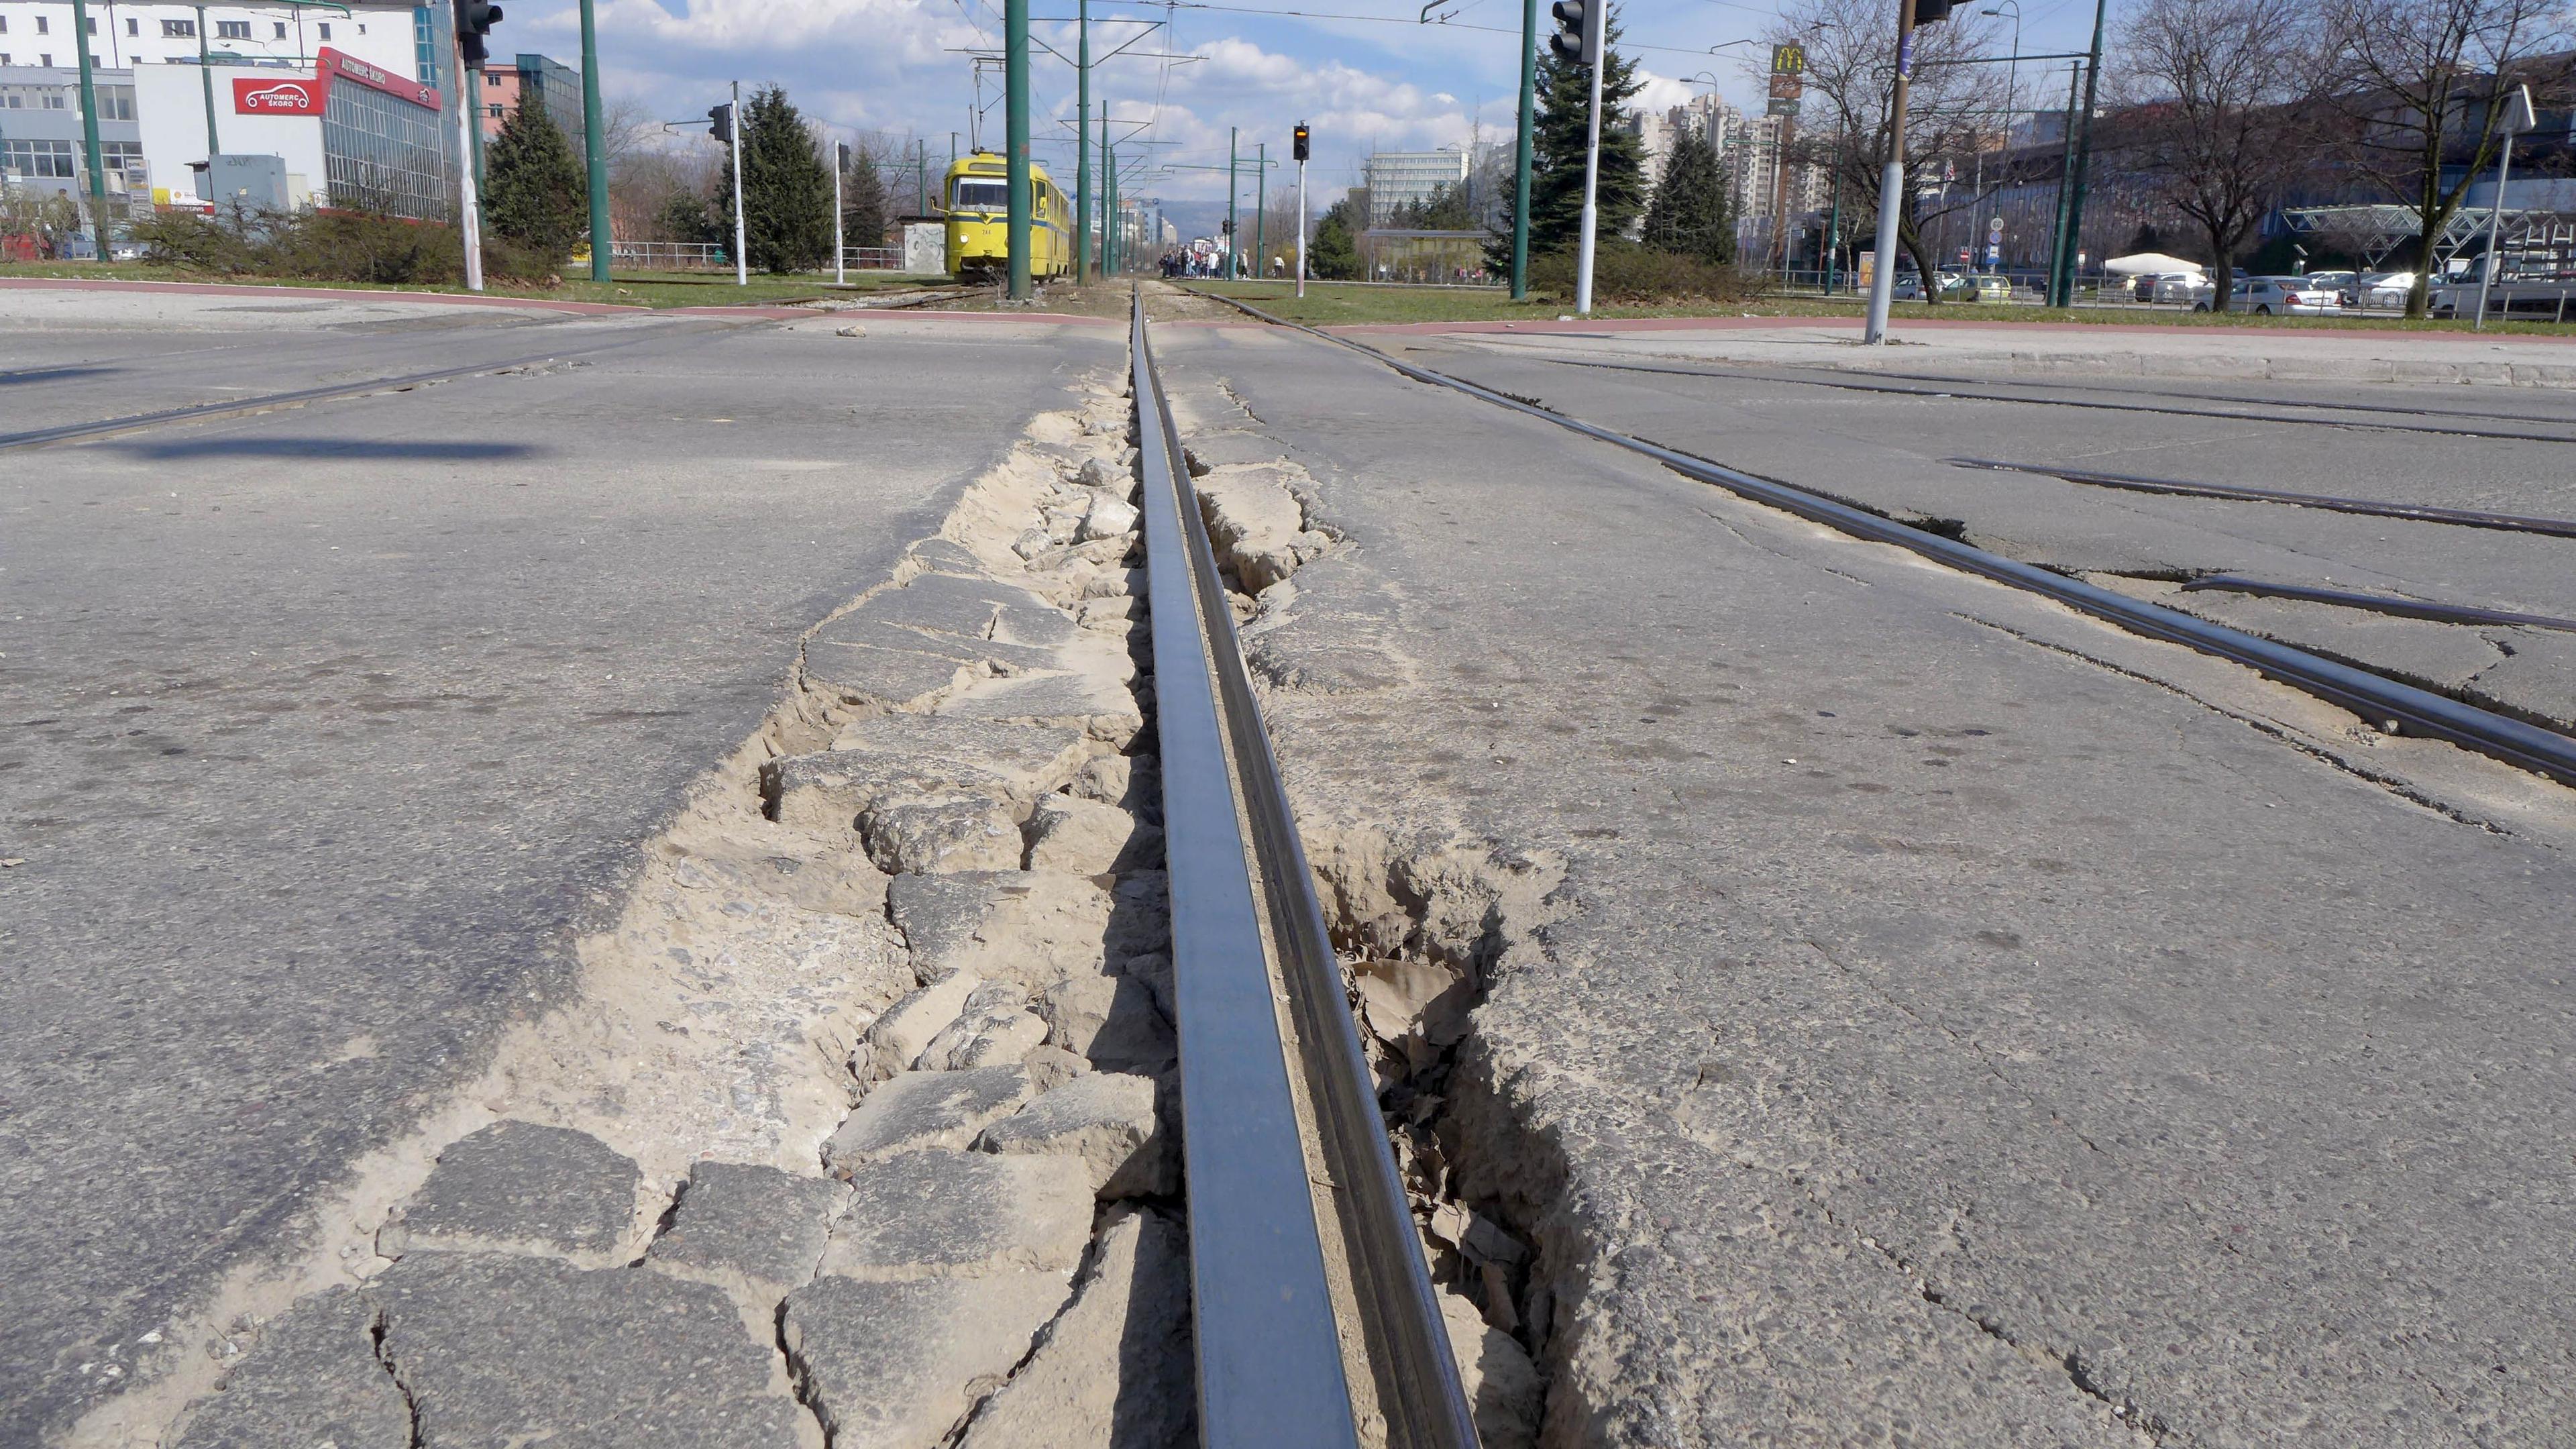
(1107, 1122)
(1154, 968)
(1115, 1371)
(924, 837)
(896, 1039)
(1033, 927)
(995, 1025)
(1133, 783)
(1109, 1021)
(1086, 837)
(842, 883)
(496, 1349)
(961, 1214)
(1093, 698)
(1140, 917)
(313, 1378)
(1504, 1389)
(926, 1109)
(747, 1227)
(1256, 524)
(1108, 517)
(520, 1187)
(897, 756)
(896, 1365)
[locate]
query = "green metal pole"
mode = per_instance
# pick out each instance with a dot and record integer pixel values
(593, 147)
(1521, 152)
(2084, 153)
(1233, 228)
(474, 108)
(89, 130)
(1015, 63)
(2060, 253)
(206, 74)
(1082, 144)
(1108, 198)
(1260, 205)
(921, 176)
(1834, 227)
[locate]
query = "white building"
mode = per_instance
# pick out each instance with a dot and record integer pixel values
(1400, 178)
(122, 34)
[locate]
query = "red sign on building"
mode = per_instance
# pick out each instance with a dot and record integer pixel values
(260, 97)
(331, 64)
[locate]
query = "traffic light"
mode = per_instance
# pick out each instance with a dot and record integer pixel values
(1579, 27)
(1301, 141)
(474, 21)
(1928, 12)
(1225, 226)
(720, 116)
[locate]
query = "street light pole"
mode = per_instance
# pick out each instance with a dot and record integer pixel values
(205, 74)
(469, 208)
(741, 263)
(840, 248)
(89, 129)
(1260, 206)
(2073, 244)
(1015, 69)
(594, 145)
(2060, 289)
(1520, 161)
(1233, 228)
(1082, 143)
(1891, 185)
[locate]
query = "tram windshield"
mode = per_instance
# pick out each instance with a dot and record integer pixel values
(975, 195)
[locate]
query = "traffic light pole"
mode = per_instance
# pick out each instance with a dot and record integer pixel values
(1591, 190)
(1521, 152)
(741, 263)
(473, 78)
(89, 129)
(1015, 69)
(840, 245)
(469, 209)
(1891, 185)
(1301, 218)
(594, 150)
(1082, 144)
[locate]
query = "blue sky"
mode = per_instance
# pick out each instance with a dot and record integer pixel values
(891, 67)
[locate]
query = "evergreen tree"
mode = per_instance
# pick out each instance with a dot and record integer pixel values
(863, 200)
(534, 193)
(1691, 214)
(1333, 253)
(786, 188)
(1556, 156)
(1445, 209)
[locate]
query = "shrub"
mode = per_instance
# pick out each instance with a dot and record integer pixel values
(1623, 271)
(332, 246)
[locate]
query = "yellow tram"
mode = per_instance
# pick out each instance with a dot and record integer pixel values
(977, 192)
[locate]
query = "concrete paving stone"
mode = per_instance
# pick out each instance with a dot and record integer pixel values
(2419, 651)
(747, 1225)
(961, 1214)
(925, 837)
(1337, 638)
(1033, 927)
(521, 1187)
(1095, 699)
(2539, 679)
(1085, 837)
(1114, 614)
(973, 608)
(843, 883)
(896, 1039)
(884, 674)
(947, 556)
(498, 1350)
(1110, 1021)
(896, 1365)
(921, 1110)
(1114, 1371)
(312, 1379)
(1105, 1120)
(995, 1025)
(896, 756)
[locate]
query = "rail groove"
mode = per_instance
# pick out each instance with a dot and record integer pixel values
(1303, 1251)
(2385, 703)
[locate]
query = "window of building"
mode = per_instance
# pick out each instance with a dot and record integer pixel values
(133, 26)
(93, 25)
(179, 30)
(55, 101)
(116, 103)
(324, 26)
(4, 24)
(4, 60)
(45, 60)
(232, 30)
(44, 26)
(281, 30)
(20, 156)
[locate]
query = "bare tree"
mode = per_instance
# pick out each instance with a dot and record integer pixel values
(2214, 128)
(2418, 88)
(1953, 121)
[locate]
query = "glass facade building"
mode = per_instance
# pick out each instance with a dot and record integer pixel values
(384, 153)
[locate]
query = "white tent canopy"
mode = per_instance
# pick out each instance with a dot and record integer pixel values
(2146, 262)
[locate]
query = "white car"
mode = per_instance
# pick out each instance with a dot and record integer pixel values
(2380, 289)
(2182, 287)
(2277, 296)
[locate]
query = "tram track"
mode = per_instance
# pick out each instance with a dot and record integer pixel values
(2385, 703)
(1307, 1268)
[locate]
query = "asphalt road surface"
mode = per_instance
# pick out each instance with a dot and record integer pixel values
(329, 728)
(1958, 1022)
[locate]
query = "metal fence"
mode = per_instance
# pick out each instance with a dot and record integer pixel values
(872, 259)
(669, 256)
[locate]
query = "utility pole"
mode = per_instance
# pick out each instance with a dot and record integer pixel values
(741, 263)
(206, 75)
(1520, 155)
(1260, 206)
(1082, 144)
(1301, 149)
(2083, 154)
(1108, 198)
(840, 248)
(594, 144)
(1015, 69)
(2059, 253)
(1231, 230)
(89, 130)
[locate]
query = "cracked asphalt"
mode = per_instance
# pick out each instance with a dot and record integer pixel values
(1961, 1023)
(329, 728)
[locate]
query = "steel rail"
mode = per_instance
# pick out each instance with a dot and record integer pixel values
(2393, 707)
(240, 407)
(1249, 944)
(1971, 392)
(2418, 512)
(2378, 603)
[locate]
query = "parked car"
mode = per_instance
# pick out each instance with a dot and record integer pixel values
(2380, 289)
(2271, 296)
(2338, 283)
(2167, 286)
(1982, 287)
(1908, 288)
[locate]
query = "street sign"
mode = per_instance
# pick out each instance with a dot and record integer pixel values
(1781, 107)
